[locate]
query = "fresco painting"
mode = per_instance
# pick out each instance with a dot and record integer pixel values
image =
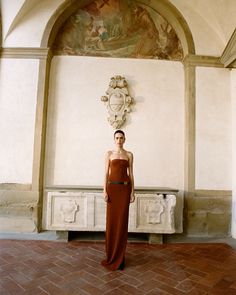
(118, 28)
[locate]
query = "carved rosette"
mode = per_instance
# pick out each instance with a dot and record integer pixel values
(118, 101)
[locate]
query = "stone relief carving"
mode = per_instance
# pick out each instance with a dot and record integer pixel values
(161, 207)
(151, 212)
(154, 209)
(118, 101)
(69, 210)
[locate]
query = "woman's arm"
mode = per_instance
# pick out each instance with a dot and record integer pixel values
(131, 175)
(107, 167)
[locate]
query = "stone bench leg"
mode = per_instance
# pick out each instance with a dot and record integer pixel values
(155, 239)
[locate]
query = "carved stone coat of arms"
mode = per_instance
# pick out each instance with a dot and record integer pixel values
(118, 101)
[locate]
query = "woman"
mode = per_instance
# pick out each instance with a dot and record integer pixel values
(118, 193)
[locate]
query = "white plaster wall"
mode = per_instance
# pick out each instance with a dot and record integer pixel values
(31, 21)
(78, 133)
(18, 86)
(9, 10)
(213, 129)
(211, 22)
(233, 97)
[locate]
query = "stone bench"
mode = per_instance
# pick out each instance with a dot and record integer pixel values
(84, 209)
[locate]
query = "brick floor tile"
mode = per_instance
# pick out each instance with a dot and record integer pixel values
(195, 272)
(219, 292)
(186, 285)
(211, 279)
(34, 283)
(35, 291)
(197, 292)
(170, 289)
(132, 281)
(223, 284)
(55, 278)
(90, 289)
(148, 286)
(39, 268)
(116, 291)
(157, 291)
(77, 292)
(171, 275)
(131, 290)
(52, 289)
(11, 286)
(3, 291)
(19, 278)
(129, 270)
(166, 279)
(111, 276)
(112, 284)
(92, 279)
(146, 276)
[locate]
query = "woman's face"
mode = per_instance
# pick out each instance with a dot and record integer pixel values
(119, 140)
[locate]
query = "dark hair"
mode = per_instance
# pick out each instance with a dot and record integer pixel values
(119, 131)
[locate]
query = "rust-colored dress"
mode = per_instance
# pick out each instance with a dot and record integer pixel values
(117, 213)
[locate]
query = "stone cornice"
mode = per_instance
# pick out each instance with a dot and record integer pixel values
(202, 61)
(165, 190)
(25, 53)
(228, 57)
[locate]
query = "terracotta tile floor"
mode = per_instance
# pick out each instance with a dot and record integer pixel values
(39, 268)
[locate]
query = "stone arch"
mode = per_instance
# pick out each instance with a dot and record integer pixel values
(167, 10)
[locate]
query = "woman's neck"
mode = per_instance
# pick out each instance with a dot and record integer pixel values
(119, 150)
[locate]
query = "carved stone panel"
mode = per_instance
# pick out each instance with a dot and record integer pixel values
(99, 212)
(155, 213)
(66, 210)
(86, 211)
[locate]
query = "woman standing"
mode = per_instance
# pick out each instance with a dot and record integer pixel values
(118, 193)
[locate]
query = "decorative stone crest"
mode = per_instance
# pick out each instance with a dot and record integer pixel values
(118, 101)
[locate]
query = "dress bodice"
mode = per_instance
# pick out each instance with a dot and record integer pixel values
(118, 170)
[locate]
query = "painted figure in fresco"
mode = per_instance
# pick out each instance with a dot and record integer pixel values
(118, 193)
(147, 45)
(103, 33)
(118, 28)
(173, 47)
(93, 38)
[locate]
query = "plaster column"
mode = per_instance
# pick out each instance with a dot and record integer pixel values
(40, 131)
(233, 100)
(189, 174)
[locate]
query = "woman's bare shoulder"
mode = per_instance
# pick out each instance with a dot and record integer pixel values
(129, 155)
(108, 154)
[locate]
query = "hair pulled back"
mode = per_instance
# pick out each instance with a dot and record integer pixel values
(119, 131)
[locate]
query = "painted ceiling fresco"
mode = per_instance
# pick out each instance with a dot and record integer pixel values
(118, 28)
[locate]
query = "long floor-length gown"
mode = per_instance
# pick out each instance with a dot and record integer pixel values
(118, 190)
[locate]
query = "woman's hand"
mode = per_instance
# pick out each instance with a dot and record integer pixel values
(105, 197)
(132, 198)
